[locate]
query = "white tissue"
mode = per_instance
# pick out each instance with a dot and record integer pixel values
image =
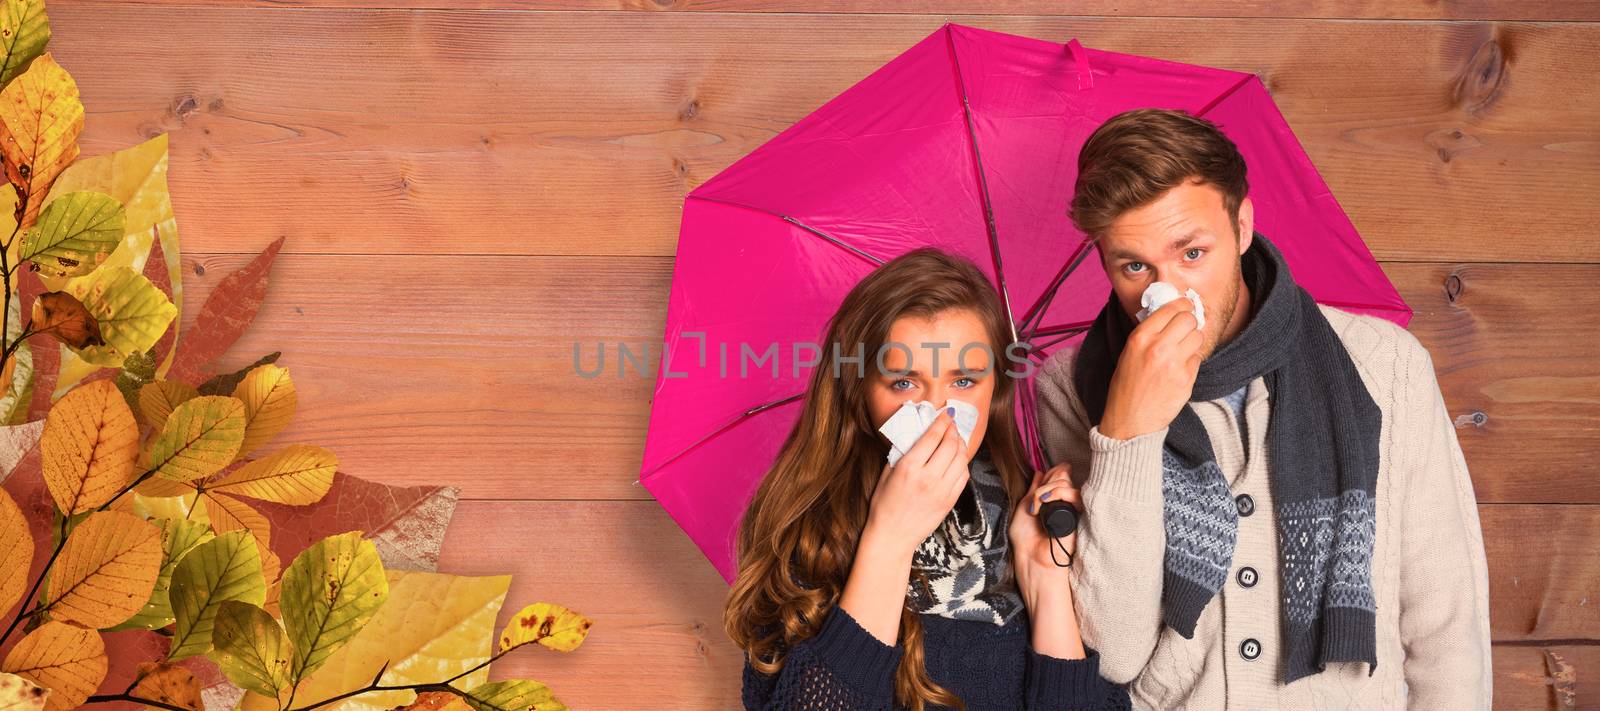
(914, 418)
(1158, 294)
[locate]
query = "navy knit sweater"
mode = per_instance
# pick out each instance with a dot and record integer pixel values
(844, 668)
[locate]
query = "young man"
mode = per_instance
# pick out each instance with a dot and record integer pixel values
(1277, 511)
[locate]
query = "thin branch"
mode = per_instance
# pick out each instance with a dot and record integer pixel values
(108, 698)
(432, 686)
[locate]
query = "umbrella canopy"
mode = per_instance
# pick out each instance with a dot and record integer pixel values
(968, 142)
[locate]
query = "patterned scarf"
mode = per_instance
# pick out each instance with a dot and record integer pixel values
(961, 570)
(1323, 434)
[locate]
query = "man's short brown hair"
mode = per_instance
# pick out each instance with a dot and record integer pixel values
(1136, 156)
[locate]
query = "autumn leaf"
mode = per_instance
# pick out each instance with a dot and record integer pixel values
(513, 695)
(229, 514)
(178, 537)
(16, 555)
(67, 659)
(225, 383)
(138, 370)
(137, 178)
(251, 649)
(130, 311)
(227, 567)
(157, 400)
(299, 474)
(24, 32)
(200, 438)
(330, 591)
(75, 234)
(269, 402)
(433, 626)
(21, 694)
(438, 701)
(63, 317)
(89, 447)
(548, 624)
(224, 317)
(40, 119)
(169, 684)
(106, 570)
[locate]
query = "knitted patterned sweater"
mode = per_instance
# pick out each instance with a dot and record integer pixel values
(1429, 575)
(844, 668)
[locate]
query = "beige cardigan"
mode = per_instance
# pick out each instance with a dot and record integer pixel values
(1428, 571)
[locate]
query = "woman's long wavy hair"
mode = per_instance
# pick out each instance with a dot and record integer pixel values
(797, 539)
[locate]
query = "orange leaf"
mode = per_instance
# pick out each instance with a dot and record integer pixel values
(89, 445)
(230, 514)
(168, 683)
(157, 400)
(106, 571)
(40, 119)
(299, 474)
(16, 555)
(68, 660)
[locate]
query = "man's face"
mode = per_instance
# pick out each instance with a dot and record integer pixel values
(1183, 238)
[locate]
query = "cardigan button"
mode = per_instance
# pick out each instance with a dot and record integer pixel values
(1250, 649)
(1247, 576)
(1246, 504)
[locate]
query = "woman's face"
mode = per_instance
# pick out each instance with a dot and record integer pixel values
(924, 340)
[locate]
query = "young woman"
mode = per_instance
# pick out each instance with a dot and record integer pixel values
(930, 583)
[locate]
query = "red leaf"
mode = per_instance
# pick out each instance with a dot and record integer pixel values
(227, 313)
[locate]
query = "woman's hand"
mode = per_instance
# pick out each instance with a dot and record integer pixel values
(911, 500)
(1046, 588)
(913, 497)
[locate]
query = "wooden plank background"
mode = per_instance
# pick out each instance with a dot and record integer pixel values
(469, 187)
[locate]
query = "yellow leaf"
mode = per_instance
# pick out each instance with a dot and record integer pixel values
(230, 514)
(137, 178)
(24, 32)
(269, 401)
(251, 648)
(88, 447)
(21, 694)
(200, 438)
(438, 701)
(68, 660)
(299, 474)
(16, 555)
(130, 312)
(75, 233)
(157, 400)
(330, 591)
(548, 624)
(167, 683)
(178, 537)
(271, 568)
(106, 570)
(158, 487)
(227, 567)
(513, 695)
(40, 119)
(433, 627)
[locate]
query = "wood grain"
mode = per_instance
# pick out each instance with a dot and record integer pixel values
(470, 132)
(1587, 10)
(654, 597)
(459, 369)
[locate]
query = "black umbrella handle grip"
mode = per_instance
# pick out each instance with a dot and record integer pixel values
(1060, 518)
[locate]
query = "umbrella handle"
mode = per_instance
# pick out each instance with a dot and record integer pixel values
(1080, 56)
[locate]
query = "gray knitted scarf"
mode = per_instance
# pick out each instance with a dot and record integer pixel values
(961, 570)
(1322, 432)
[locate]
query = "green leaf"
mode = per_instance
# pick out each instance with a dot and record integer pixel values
(75, 233)
(24, 31)
(200, 437)
(178, 537)
(227, 567)
(513, 695)
(131, 312)
(251, 648)
(329, 593)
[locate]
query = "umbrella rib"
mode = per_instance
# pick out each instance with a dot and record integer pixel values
(741, 417)
(797, 223)
(983, 182)
(1036, 312)
(1224, 95)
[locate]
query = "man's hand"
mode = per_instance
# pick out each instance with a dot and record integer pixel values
(1156, 372)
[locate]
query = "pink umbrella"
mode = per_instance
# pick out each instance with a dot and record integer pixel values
(968, 142)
